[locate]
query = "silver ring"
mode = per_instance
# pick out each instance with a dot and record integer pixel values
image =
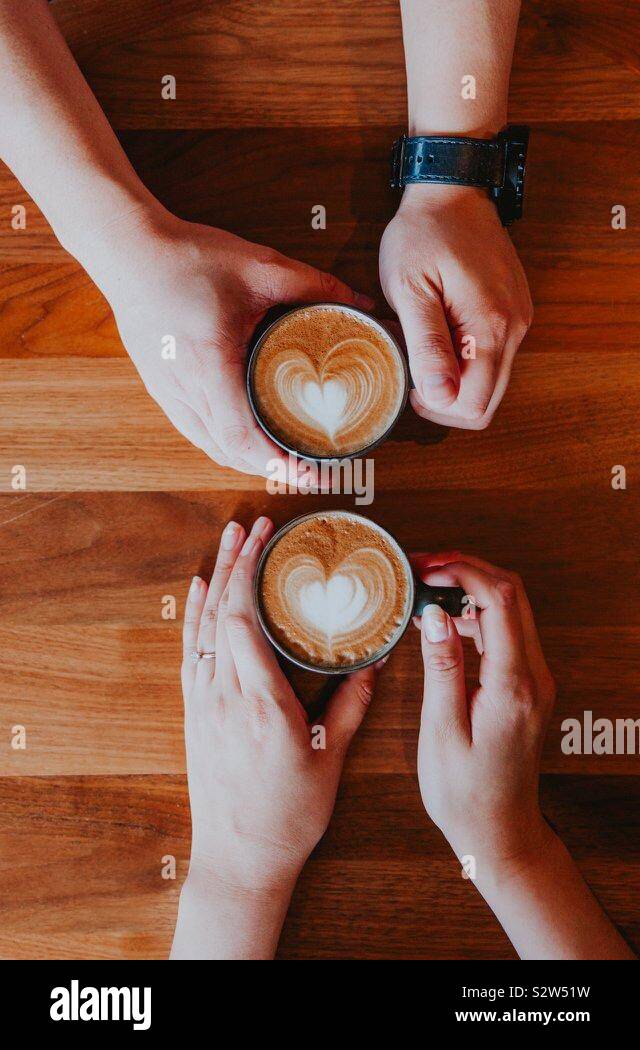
(195, 655)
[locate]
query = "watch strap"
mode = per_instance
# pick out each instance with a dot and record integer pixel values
(443, 158)
(497, 165)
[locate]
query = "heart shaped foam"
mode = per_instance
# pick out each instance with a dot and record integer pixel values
(324, 403)
(345, 611)
(352, 387)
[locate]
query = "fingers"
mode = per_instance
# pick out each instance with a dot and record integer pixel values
(505, 667)
(432, 360)
(230, 544)
(479, 371)
(533, 648)
(191, 625)
(347, 707)
(189, 423)
(234, 426)
(484, 376)
(297, 282)
(503, 375)
(256, 666)
(445, 697)
(224, 669)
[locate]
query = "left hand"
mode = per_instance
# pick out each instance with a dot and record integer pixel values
(449, 270)
(261, 793)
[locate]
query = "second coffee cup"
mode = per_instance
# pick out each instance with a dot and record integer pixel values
(327, 381)
(335, 592)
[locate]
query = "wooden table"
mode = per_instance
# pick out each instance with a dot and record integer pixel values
(120, 511)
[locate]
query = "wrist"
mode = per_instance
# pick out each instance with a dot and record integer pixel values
(124, 221)
(433, 196)
(519, 861)
(220, 919)
(460, 125)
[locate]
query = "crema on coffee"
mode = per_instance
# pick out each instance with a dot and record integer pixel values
(334, 590)
(326, 381)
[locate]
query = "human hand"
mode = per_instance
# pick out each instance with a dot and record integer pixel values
(261, 790)
(479, 754)
(207, 289)
(449, 270)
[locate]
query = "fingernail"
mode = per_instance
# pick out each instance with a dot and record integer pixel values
(250, 545)
(379, 664)
(438, 389)
(436, 623)
(195, 586)
(230, 536)
(260, 525)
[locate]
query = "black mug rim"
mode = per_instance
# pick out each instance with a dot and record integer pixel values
(381, 653)
(253, 353)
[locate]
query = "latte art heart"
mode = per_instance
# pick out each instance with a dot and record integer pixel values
(334, 590)
(328, 382)
(343, 612)
(337, 398)
(322, 403)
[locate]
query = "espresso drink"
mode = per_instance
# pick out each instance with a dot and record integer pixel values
(327, 381)
(334, 590)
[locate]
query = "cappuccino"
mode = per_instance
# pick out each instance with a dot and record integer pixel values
(334, 590)
(327, 381)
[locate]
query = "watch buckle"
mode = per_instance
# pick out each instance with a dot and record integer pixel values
(509, 197)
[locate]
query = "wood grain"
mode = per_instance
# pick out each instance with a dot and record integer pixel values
(81, 861)
(107, 700)
(79, 575)
(301, 62)
(583, 274)
(89, 425)
(87, 559)
(564, 401)
(282, 106)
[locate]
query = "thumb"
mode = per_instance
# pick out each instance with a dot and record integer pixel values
(303, 283)
(445, 694)
(432, 359)
(347, 707)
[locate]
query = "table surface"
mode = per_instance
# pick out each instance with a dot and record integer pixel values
(279, 107)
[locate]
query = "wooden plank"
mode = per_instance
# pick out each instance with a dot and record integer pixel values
(81, 863)
(54, 310)
(585, 278)
(301, 62)
(235, 179)
(86, 559)
(107, 699)
(79, 424)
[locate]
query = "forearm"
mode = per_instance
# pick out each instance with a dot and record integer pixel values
(446, 41)
(546, 909)
(216, 922)
(55, 137)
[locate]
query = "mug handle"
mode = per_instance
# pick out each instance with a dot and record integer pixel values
(452, 599)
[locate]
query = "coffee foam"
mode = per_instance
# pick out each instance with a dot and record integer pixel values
(334, 590)
(327, 382)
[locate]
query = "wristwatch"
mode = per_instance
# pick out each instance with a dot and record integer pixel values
(494, 164)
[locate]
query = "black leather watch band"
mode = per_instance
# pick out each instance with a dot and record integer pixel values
(497, 165)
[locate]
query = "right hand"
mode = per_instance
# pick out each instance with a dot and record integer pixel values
(208, 289)
(479, 754)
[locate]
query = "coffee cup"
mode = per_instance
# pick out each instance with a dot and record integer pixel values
(335, 592)
(327, 381)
